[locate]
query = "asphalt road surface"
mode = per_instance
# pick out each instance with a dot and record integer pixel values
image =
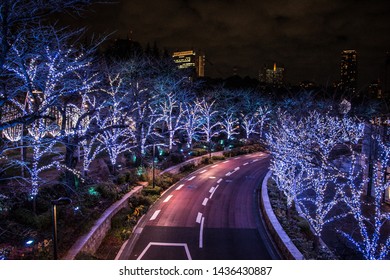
(211, 214)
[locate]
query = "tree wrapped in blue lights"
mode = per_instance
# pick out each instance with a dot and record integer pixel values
(210, 126)
(303, 164)
(370, 238)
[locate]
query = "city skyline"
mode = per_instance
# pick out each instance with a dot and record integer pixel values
(305, 36)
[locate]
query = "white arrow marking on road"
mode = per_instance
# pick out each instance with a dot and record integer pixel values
(155, 215)
(205, 201)
(179, 187)
(199, 217)
(168, 198)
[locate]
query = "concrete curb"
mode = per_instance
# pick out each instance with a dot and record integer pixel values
(284, 243)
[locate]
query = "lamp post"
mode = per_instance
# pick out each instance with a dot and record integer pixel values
(153, 167)
(54, 203)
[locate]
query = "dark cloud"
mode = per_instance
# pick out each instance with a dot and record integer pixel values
(304, 35)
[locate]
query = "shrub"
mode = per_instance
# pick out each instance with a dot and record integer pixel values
(138, 200)
(44, 221)
(25, 217)
(198, 152)
(218, 157)
(108, 190)
(166, 180)
(175, 158)
(151, 191)
(206, 160)
(187, 167)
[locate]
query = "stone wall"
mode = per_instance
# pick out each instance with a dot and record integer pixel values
(90, 242)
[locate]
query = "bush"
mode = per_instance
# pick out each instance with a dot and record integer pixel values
(151, 191)
(206, 160)
(175, 158)
(25, 217)
(138, 200)
(44, 221)
(108, 190)
(198, 152)
(218, 157)
(166, 180)
(187, 167)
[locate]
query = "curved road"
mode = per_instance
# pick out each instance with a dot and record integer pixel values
(211, 214)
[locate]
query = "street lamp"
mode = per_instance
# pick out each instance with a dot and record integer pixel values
(54, 203)
(153, 167)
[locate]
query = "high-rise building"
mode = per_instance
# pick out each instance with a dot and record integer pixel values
(190, 60)
(386, 77)
(273, 75)
(348, 72)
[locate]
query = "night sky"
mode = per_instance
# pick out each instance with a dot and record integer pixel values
(305, 36)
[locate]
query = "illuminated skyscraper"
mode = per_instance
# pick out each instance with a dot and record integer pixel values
(348, 71)
(273, 76)
(190, 60)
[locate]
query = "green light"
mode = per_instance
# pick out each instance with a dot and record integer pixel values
(92, 191)
(140, 171)
(134, 158)
(221, 142)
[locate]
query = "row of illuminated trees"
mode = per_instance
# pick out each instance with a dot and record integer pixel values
(61, 102)
(319, 165)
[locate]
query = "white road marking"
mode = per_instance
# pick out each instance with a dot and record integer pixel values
(166, 244)
(228, 174)
(215, 165)
(155, 215)
(168, 198)
(237, 168)
(211, 190)
(237, 158)
(203, 171)
(255, 160)
(246, 163)
(211, 195)
(219, 181)
(201, 233)
(212, 177)
(225, 161)
(205, 201)
(190, 179)
(199, 217)
(179, 187)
